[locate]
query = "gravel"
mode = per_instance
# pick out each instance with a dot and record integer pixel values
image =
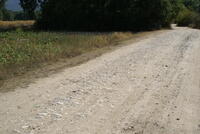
(133, 89)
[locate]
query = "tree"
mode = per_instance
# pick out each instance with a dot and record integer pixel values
(2, 8)
(2, 4)
(7, 15)
(151, 14)
(93, 15)
(177, 6)
(29, 7)
(192, 5)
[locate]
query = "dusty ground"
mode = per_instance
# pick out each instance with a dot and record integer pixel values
(148, 87)
(31, 74)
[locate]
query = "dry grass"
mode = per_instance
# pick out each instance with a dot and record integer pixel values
(20, 51)
(7, 25)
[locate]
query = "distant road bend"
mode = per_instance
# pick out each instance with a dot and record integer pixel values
(148, 87)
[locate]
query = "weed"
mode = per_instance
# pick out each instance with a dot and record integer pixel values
(20, 50)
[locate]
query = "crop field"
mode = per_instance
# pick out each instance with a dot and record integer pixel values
(10, 25)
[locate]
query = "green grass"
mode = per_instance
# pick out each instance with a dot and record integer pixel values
(20, 50)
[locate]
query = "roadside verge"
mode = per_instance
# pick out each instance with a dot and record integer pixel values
(29, 75)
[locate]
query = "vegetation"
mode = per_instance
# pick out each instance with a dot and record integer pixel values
(106, 14)
(185, 17)
(4, 15)
(189, 14)
(29, 10)
(29, 7)
(13, 25)
(192, 5)
(21, 50)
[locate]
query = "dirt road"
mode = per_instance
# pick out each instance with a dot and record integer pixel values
(149, 87)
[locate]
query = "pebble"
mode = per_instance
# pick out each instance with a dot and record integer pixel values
(16, 131)
(60, 103)
(112, 106)
(37, 106)
(56, 115)
(43, 114)
(32, 132)
(25, 127)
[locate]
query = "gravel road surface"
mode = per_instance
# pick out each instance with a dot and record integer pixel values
(148, 87)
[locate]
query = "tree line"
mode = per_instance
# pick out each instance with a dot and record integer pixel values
(29, 10)
(93, 15)
(105, 14)
(4, 14)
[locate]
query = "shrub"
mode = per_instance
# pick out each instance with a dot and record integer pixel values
(196, 21)
(186, 17)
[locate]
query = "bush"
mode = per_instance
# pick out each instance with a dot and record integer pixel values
(189, 18)
(196, 21)
(186, 17)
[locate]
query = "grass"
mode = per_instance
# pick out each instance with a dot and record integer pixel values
(20, 50)
(9, 25)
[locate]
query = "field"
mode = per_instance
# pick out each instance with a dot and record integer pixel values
(20, 49)
(10, 25)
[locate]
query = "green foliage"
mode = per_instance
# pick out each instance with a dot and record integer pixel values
(1, 15)
(105, 14)
(185, 17)
(3, 11)
(7, 15)
(19, 49)
(2, 3)
(192, 5)
(29, 7)
(19, 15)
(189, 14)
(176, 8)
(196, 21)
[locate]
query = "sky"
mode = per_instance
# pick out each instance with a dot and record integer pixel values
(13, 5)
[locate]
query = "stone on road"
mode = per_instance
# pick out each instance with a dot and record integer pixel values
(148, 87)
